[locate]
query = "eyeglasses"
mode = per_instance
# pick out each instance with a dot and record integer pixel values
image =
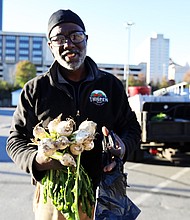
(75, 37)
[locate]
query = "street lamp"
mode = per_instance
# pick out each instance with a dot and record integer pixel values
(126, 66)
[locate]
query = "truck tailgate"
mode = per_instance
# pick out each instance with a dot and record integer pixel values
(168, 131)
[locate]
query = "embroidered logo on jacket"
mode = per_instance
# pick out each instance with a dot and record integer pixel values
(98, 97)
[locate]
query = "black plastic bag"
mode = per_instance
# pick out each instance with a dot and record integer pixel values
(112, 202)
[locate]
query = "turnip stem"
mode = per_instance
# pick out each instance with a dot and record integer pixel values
(75, 189)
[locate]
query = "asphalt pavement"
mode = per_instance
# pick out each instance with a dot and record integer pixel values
(16, 190)
(16, 193)
(5, 122)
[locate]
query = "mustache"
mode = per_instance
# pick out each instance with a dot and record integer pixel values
(69, 52)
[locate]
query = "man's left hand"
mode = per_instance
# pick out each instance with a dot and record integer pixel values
(118, 150)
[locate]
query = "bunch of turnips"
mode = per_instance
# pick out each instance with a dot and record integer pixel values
(69, 187)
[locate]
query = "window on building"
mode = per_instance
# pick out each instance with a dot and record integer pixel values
(10, 50)
(10, 58)
(10, 38)
(37, 46)
(37, 39)
(37, 50)
(37, 60)
(10, 55)
(10, 41)
(24, 38)
(23, 54)
(1, 49)
(10, 44)
(23, 42)
(23, 45)
(23, 57)
(37, 53)
(37, 43)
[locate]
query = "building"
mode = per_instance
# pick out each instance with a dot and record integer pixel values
(159, 58)
(1, 14)
(118, 69)
(16, 46)
(177, 72)
(155, 52)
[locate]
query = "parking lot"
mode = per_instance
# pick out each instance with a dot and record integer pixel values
(159, 188)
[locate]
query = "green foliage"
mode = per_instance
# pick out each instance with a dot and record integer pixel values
(163, 84)
(25, 70)
(4, 85)
(5, 93)
(136, 81)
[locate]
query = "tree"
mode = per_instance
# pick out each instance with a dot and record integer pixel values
(131, 80)
(142, 79)
(5, 93)
(137, 80)
(4, 85)
(164, 82)
(25, 70)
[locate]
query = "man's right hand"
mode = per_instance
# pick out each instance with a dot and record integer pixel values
(42, 162)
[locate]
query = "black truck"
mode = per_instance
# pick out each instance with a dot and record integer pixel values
(165, 124)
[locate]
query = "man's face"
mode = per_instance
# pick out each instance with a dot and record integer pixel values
(65, 47)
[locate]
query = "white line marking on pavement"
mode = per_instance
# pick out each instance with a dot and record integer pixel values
(134, 166)
(161, 185)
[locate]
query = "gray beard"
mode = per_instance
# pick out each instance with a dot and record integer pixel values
(76, 65)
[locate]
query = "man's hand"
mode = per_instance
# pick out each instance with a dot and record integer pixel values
(42, 162)
(118, 151)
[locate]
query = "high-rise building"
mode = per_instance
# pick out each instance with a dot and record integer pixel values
(155, 52)
(159, 58)
(1, 14)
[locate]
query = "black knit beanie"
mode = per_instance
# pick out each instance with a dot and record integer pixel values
(63, 16)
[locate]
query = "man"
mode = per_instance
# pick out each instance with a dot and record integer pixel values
(75, 87)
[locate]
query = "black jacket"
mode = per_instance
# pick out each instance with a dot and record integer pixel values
(101, 98)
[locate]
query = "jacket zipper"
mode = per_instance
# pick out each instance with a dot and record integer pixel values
(76, 94)
(77, 105)
(78, 113)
